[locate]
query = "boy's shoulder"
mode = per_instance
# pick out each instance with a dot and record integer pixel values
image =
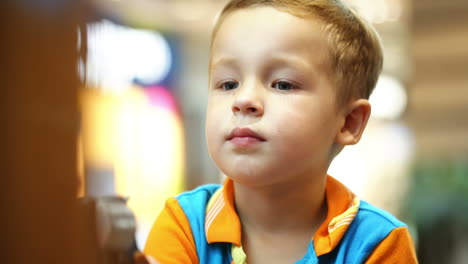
(373, 234)
(374, 216)
(371, 225)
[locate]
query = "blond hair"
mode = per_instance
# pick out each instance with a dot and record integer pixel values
(354, 45)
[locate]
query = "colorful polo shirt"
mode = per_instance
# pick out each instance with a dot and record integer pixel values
(202, 226)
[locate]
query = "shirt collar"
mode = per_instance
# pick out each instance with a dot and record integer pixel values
(342, 206)
(222, 224)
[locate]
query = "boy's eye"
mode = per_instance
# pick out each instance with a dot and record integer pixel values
(282, 85)
(229, 85)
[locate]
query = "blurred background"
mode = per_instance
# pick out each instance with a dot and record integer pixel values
(107, 97)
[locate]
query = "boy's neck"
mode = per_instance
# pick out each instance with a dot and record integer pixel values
(285, 208)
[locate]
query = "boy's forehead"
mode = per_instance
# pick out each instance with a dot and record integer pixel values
(267, 29)
(268, 18)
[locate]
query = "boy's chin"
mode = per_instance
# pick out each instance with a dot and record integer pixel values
(251, 179)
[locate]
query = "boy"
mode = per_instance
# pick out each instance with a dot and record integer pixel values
(289, 82)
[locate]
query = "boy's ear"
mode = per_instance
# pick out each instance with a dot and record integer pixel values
(355, 120)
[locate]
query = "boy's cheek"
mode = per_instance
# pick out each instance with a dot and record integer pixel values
(217, 108)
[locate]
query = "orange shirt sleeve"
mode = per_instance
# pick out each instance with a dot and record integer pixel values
(397, 247)
(170, 240)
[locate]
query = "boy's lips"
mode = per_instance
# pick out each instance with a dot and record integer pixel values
(244, 137)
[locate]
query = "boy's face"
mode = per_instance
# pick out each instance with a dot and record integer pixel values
(272, 114)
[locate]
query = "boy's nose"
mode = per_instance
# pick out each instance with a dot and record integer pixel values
(248, 101)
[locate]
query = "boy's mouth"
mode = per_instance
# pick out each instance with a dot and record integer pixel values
(244, 137)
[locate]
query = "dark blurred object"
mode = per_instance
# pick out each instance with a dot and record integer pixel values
(438, 206)
(39, 118)
(114, 225)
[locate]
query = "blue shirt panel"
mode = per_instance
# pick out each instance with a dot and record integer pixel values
(370, 227)
(193, 203)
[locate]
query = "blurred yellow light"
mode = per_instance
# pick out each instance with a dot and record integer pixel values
(142, 142)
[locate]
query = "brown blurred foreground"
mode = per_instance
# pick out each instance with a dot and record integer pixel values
(39, 120)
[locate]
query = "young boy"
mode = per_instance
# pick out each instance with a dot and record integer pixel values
(289, 83)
